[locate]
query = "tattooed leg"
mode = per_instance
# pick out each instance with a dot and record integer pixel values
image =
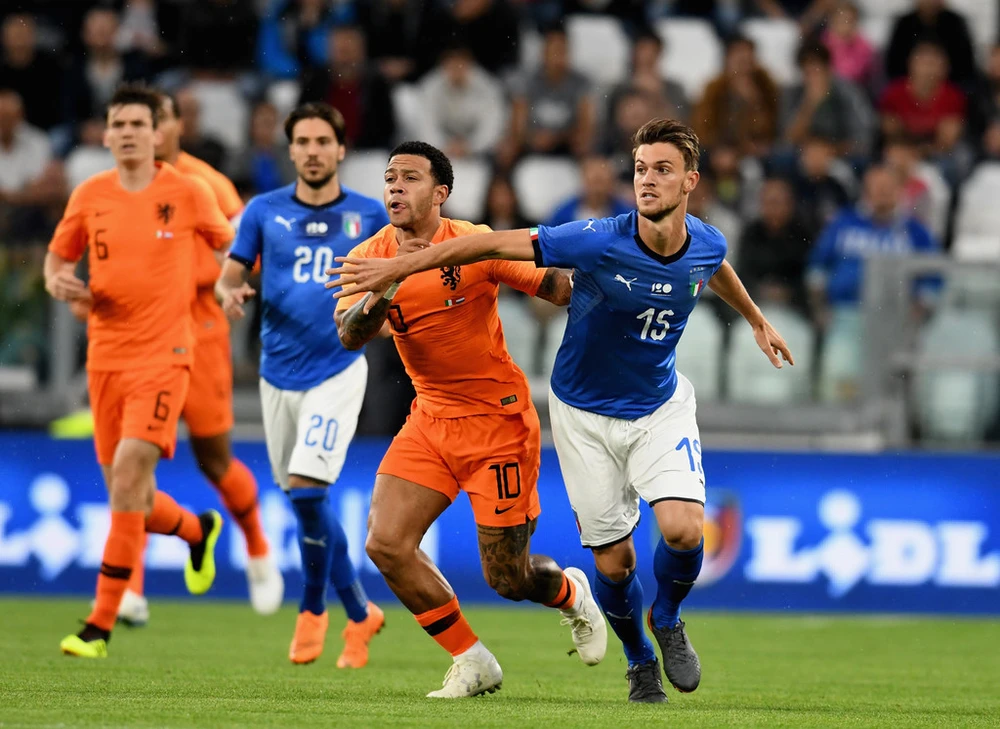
(511, 570)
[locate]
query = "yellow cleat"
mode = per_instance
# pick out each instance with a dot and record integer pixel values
(199, 572)
(74, 645)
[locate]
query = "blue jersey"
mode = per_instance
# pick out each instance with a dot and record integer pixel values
(296, 243)
(629, 308)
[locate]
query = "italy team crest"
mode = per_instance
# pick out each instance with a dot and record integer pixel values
(696, 282)
(352, 225)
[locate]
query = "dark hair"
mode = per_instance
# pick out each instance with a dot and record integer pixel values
(172, 98)
(440, 164)
(736, 39)
(135, 93)
(316, 110)
(670, 131)
(645, 33)
(813, 52)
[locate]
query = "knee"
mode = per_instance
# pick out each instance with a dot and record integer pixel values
(685, 534)
(214, 467)
(387, 554)
(616, 562)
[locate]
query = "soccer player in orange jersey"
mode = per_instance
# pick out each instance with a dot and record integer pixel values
(139, 222)
(473, 428)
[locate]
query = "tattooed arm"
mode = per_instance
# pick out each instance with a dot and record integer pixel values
(356, 328)
(556, 287)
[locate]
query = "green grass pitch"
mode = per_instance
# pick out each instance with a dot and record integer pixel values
(216, 664)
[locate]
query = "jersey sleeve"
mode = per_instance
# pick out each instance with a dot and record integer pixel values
(362, 250)
(248, 244)
(521, 275)
(579, 244)
(209, 218)
(70, 239)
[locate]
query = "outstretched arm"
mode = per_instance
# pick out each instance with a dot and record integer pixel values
(730, 289)
(556, 287)
(356, 327)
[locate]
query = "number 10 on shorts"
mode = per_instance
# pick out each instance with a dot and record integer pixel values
(508, 480)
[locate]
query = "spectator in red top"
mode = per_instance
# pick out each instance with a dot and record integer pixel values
(927, 107)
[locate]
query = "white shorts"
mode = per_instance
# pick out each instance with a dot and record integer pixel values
(308, 431)
(608, 464)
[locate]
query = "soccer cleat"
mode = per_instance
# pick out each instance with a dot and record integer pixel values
(680, 662)
(267, 586)
(133, 610)
(590, 632)
(310, 634)
(91, 642)
(199, 572)
(470, 675)
(644, 683)
(357, 636)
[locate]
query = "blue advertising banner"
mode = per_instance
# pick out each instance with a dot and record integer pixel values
(816, 532)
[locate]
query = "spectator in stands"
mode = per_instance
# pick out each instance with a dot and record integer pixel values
(633, 108)
(265, 165)
(632, 13)
(825, 106)
(503, 209)
(809, 14)
(148, 27)
(193, 140)
(667, 97)
(464, 112)
(984, 102)
(89, 156)
(726, 169)
(94, 76)
(852, 55)
(30, 182)
(928, 108)
(875, 227)
(597, 198)
(293, 36)
(774, 249)
(34, 75)
(740, 106)
(704, 205)
(930, 20)
(823, 184)
(553, 109)
(216, 36)
(901, 155)
(397, 32)
(490, 28)
(355, 88)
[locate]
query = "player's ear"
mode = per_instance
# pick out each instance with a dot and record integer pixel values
(105, 140)
(691, 181)
(440, 194)
(157, 137)
(340, 155)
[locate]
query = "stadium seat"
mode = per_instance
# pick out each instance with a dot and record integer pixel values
(541, 183)
(777, 42)
(693, 54)
(520, 329)
(884, 8)
(224, 112)
(976, 247)
(842, 356)
(978, 213)
(981, 17)
(700, 352)
(877, 29)
(364, 171)
(84, 162)
(751, 376)
(284, 95)
(940, 199)
(957, 404)
(468, 200)
(408, 106)
(530, 53)
(598, 48)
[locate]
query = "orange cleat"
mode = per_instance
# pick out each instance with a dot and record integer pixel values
(310, 632)
(357, 636)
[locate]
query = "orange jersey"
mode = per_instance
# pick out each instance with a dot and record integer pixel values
(447, 330)
(141, 260)
(209, 321)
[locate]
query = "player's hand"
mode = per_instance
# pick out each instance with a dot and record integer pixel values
(233, 300)
(772, 344)
(65, 286)
(80, 308)
(358, 275)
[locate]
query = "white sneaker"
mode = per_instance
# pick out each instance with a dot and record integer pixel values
(267, 586)
(472, 674)
(133, 610)
(590, 632)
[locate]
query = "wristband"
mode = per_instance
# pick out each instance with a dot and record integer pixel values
(390, 292)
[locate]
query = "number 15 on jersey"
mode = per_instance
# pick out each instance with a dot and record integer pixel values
(656, 323)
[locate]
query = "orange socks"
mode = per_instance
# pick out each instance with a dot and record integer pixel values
(121, 552)
(238, 490)
(448, 627)
(137, 580)
(168, 517)
(566, 597)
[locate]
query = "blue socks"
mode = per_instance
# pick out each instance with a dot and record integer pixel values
(324, 555)
(622, 604)
(676, 572)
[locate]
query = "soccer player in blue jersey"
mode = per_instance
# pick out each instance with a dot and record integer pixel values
(311, 387)
(623, 418)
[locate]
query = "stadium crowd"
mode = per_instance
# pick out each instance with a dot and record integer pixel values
(831, 129)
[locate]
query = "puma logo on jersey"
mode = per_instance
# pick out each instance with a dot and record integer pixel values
(590, 226)
(628, 282)
(287, 223)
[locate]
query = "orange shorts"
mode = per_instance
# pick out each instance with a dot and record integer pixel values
(208, 410)
(144, 403)
(492, 458)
